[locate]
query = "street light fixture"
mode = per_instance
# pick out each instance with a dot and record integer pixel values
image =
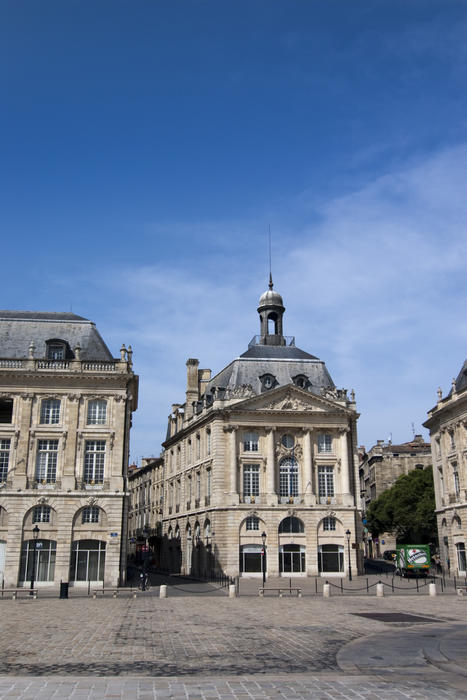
(347, 534)
(263, 557)
(35, 534)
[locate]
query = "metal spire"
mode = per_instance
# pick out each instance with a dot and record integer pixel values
(271, 285)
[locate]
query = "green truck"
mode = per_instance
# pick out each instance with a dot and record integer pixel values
(413, 559)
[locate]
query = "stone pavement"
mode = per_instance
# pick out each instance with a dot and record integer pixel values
(202, 647)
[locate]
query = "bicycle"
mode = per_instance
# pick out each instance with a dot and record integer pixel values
(144, 583)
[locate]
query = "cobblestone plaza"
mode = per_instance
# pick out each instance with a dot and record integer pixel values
(204, 646)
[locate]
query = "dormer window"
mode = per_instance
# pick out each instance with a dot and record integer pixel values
(58, 349)
(268, 381)
(301, 381)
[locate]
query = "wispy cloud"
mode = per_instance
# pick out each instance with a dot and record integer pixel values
(376, 288)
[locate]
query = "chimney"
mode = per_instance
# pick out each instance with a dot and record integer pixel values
(192, 393)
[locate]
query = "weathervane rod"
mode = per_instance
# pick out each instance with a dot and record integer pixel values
(270, 264)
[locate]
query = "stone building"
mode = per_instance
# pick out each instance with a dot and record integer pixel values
(380, 467)
(65, 416)
(447, 423)
(265, 449)
(146, 488)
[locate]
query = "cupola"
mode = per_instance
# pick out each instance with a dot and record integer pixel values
(271, 309)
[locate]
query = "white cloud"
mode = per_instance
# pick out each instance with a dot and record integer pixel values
(377, 289)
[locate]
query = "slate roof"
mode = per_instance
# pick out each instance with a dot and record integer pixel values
(461, 381)
(283, 362)
(19, 328)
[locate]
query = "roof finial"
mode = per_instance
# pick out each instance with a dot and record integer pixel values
(271, 285)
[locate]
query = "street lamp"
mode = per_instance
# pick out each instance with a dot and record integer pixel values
(263, 557)
(35, 534)
(146, 534)
(347, 534)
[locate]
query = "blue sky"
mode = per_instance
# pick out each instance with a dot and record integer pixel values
(146, 146)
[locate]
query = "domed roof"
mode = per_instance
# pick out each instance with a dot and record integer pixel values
(271, 298)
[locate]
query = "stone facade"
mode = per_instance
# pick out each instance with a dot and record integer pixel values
(65, 416)
(380, 467)
(146, 488)
(268, 446)
(447, 423)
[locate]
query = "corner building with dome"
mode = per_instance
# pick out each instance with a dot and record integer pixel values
(265, 451)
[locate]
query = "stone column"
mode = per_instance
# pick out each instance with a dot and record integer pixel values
(22, 446)
(345, 476)
(271, 494)
(232, 448)
(69, 443)
(309, 496)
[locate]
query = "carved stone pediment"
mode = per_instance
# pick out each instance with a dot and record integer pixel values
(290, 398)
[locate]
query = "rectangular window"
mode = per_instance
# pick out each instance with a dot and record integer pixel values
(56, 352)
(208, 482)
(189, 452)
(456, 480)
(4, 458)
(94, 460)
(41, 514)
(208, 442)
(326, 482)
(252, 522)
(97, 412)
(198, 485)
(324, 443)
(198, 447)
(452, 440)
(329, 523)
(46, 461)
(251, 480)
(90, 514)
(50, 411)
(250, 442)
(6, 410)
(177, 493)
(190, 488)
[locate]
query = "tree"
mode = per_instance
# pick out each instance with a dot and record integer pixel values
(407, 509)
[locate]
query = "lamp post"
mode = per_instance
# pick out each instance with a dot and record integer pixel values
(35, 534)
(263, 557)
(146, 534)
(347, 534)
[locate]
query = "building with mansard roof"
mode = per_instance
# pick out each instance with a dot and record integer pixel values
(264, 450)
(65, 416)
(447, 423)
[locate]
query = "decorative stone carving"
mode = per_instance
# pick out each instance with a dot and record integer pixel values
(91, 501)
(244, 391)
(289, 404)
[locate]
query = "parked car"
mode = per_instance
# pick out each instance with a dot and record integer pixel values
(389, 554)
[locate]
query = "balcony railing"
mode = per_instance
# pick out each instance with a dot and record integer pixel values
(64, 365)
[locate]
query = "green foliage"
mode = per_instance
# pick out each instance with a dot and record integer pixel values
(407, 509)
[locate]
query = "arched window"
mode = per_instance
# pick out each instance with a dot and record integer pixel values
(288, 441)
(268, 381)
(97, 412)
(288, 478)
(291, 525)
(301, 381)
